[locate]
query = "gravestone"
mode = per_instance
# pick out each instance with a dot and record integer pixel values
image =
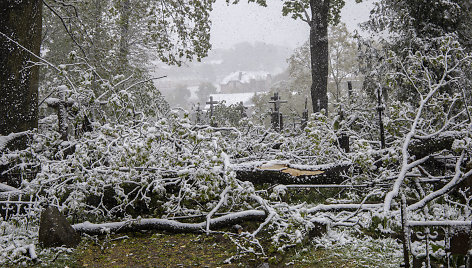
(460, 241)
(55, 230)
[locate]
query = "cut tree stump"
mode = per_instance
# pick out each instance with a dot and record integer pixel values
(283, 173)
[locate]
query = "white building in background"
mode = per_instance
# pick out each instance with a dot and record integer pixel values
(242, 82)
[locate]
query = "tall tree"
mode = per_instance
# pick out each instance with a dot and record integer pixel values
(318, 14)
(342, 56)
(172, 31)
(419, 19)
(319, 53)
(416, 26)
(20, 25)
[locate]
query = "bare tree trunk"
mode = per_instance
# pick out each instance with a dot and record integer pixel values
(94, 51)
(21, 21)
(124, 36)
(319, 54)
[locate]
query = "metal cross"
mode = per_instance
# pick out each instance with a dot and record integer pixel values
(61, 106)
(211, 102)
(276, 101)
(277, 119)
(198, 111)
(305, 115)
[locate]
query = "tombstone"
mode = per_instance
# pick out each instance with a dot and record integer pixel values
(212, 103)
(305, 115)
(276, 115)
(460, 240)
(55, 230)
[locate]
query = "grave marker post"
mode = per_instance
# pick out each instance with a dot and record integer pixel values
(212, 103)
(380, 109)
(276, 116)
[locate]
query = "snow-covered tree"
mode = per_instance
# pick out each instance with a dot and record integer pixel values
(20, 41)
(317, 14)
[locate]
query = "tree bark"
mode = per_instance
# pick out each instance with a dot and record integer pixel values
(94, 52)
(319, 54)
(260, 172)
(19, 76)
(423, 147)
(125, 11)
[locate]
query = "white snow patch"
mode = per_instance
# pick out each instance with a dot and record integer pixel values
(246, 77)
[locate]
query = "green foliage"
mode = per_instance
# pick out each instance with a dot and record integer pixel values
(110, 80)
(415, 27)
(231, 115)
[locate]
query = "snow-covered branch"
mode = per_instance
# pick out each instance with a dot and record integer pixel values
(168, 225)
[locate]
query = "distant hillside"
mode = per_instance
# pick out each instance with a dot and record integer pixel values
(222, 62)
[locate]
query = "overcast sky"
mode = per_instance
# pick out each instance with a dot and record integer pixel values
(250, 22)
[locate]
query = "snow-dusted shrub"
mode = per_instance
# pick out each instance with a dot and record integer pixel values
(117, 169)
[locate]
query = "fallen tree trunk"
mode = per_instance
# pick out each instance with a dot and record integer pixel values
(337, 207)
(168, 225)
(284, 173)
(9, 193)
(421, 147)
(7, 188)
(182, 227)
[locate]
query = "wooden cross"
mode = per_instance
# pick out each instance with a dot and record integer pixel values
(61, 105)
(349, 90)
(198, 114)
(276, 101)
(211, 102)
(305, 115)
(277, 120)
